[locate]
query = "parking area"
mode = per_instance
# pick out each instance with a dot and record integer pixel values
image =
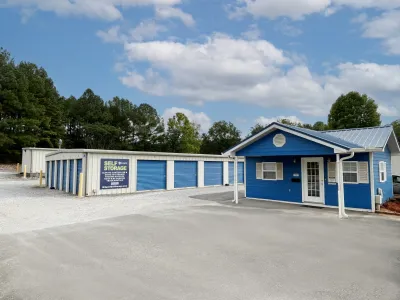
(189, 244)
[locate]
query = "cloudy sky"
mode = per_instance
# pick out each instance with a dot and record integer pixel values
(244, 61)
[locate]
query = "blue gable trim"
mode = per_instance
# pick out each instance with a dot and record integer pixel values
(294, 146)
(387, 187)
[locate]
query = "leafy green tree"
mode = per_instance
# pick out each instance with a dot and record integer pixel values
(123, 117)
(256, 129)
(182, 135)
(30, 108)
(148, 127)
(396, 127)
(320, 126)
(354, 111)
(221, 136)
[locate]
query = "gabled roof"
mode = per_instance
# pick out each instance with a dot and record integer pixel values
(347, 140)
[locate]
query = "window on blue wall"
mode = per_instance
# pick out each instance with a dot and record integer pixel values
(382, 171)
(350, 172)
(269, 171)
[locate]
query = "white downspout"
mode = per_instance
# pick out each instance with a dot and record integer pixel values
(339, 173)
(235, 180)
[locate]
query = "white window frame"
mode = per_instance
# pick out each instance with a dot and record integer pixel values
(350, 172)
(274, 167)
(270, 171)
(332, 172)
(382, 171)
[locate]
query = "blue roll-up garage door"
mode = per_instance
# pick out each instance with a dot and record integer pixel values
(64, 177)
(58, 174)
(53, 169)
(47, 173)
(185, 174)
(240, 172)
(71, 176)
(78, 171)
(151, 175)
(213, 173)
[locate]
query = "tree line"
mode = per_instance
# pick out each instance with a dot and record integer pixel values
(34, 114)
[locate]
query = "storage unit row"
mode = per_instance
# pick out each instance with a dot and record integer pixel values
(122, 172)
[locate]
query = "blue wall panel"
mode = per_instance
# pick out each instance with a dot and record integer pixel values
(387, 187)
(58, 174)
(78, 171)
(151, 175)
(64, 176)
(294, 146)
(240, 172)
(71, 176)
(53, 169)
(213, 173)
(356, 195)
(185, 174)
(47, 173)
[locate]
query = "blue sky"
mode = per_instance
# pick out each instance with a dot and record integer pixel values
(244, 61)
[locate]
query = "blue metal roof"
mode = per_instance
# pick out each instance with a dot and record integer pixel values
(371, 137)
(324, 137)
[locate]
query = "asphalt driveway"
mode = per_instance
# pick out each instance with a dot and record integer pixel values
(206, 249)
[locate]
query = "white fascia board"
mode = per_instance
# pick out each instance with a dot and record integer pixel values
(274, 127)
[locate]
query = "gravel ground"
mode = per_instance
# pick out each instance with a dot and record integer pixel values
(169, 245)
(25, 206)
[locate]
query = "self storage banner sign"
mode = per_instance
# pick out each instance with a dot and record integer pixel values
(114, 174)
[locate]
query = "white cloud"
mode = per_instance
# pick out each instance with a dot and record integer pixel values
(265, 121)
(112, 35)
(388, 111)
(298, 9)
(167, 12)
(145, 30)
(385, 27)
(253, 33)
(199, 118)
(253, 72)
(288, 29)
(100, 9)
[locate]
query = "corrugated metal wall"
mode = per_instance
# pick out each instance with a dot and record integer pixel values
(141, 172)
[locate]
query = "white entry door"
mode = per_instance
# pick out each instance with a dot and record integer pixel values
(313, 180)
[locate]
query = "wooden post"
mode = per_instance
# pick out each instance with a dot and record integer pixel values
(41, 178)
(17, 168)
(24, 171)
(80, 190)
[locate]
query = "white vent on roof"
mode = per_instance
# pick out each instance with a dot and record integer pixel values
(279, 140)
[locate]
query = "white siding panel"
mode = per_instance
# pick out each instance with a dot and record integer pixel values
(226, 172)
(200, 174)
(170, 174)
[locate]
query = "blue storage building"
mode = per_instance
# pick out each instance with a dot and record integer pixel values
(108, 172)
(347, 168)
